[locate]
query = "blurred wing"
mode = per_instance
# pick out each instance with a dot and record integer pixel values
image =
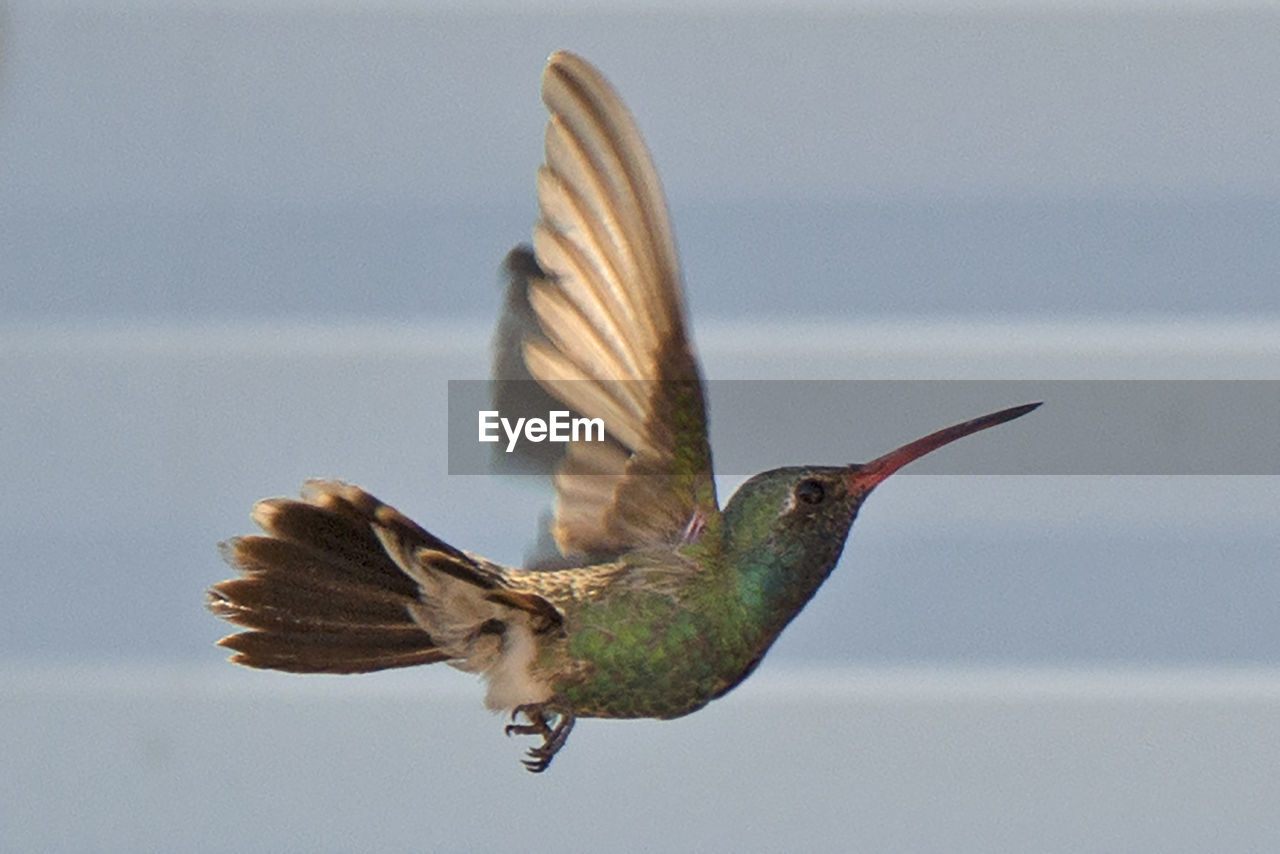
(612, 342)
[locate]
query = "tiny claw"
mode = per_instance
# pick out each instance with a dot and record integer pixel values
(540, 758)
(553, 738)
(536, 766)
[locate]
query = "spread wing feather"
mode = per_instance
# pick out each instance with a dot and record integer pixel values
(609, 338)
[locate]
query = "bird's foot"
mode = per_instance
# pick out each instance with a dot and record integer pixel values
(553, 721)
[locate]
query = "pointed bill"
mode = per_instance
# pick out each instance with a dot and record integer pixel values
(611, 341)
(865, 477)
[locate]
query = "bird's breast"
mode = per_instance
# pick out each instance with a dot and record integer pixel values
(658, 654)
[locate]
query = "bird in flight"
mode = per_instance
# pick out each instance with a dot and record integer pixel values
(660, 601)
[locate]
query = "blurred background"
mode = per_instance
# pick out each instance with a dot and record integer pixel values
(246, 244)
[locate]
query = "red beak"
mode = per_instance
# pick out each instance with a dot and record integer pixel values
(866, 476)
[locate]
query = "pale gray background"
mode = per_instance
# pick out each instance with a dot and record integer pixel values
(245, 244)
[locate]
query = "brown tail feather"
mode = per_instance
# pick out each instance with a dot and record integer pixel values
(319, 593)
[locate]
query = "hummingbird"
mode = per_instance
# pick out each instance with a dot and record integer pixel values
(660, 601)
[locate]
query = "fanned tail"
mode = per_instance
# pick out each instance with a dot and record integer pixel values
(319, 592)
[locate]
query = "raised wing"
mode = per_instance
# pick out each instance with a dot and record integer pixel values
(611, 340)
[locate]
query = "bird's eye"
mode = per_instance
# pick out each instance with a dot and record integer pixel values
(810, 492)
